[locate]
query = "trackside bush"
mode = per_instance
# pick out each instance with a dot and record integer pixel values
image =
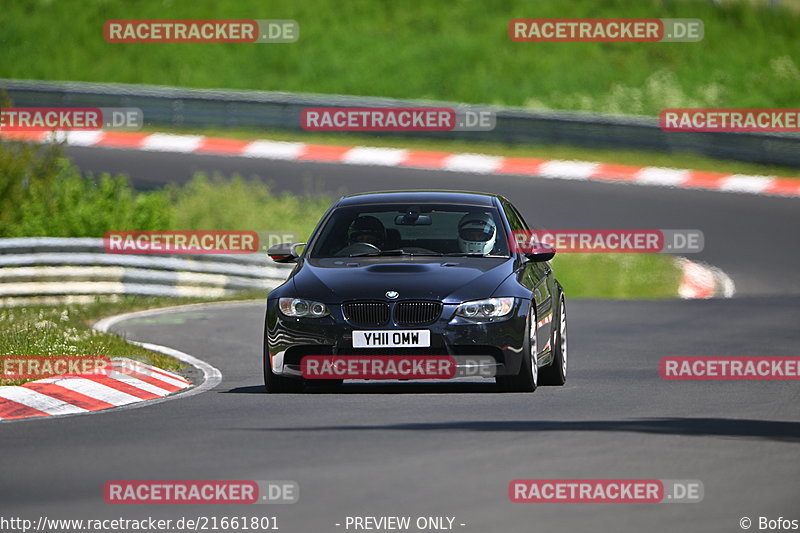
(43, 194)
(237, 204)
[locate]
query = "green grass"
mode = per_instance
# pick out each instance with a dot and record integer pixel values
(66, 329)
(48, 330)
(456, 51)
(622, 157)
(220, 203)
(43, 194)
(617, 276)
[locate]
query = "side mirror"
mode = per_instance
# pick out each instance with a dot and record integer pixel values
(285, 252)
(540, 252)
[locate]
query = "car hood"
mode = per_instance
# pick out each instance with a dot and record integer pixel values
(334, 280)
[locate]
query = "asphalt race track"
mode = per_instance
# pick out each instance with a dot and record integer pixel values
(451, 449)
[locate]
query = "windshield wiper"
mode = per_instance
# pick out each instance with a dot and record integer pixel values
(381, 252)
(470, 254)
(390, 252)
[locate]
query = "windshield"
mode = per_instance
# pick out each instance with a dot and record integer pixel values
(403, 229)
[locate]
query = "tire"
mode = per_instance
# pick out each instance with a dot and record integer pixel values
(527, 377)
(555, 374)
(325, 384)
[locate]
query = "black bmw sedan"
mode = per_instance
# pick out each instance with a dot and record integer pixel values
(417, 275)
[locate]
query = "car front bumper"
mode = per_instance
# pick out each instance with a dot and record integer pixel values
(495, 347)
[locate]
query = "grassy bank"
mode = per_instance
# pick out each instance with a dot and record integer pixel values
(66, 330)
(457, 51)
(43, 194)
(637, 276)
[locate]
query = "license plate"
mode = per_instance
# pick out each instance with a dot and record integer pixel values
(402, 338)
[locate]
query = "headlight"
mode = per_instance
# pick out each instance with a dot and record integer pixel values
(297, 307)
(486, 309)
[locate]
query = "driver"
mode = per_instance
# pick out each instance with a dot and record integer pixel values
(367, 229)
(476, 233)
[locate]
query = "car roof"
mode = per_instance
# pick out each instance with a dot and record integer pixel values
(421, 196)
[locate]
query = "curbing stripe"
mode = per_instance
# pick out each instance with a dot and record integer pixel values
(151, 372)
(571, 170)
(751, 184)
(161, 142)
(667, 177)
(39, 401)
(172, 378)
(93, 389)
(272, 150)
(424, 159)
(80, 138)
(482, 164)
(324, 153)
(705, 180)
(130, 385)
(702, 281)
(130, 374)
(11, 410)
(119, 139)
(456, 162)
(216, 145)
(389, 157)
(70, 396)
(524, 166)
(614, 172)
(78, 394)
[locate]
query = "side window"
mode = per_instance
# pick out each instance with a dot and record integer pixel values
(524, 222)
(514, 218)
(524, 225)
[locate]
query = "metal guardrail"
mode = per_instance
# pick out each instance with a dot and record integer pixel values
(180, 107)
(51, 266)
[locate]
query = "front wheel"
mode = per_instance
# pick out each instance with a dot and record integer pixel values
(528, 375)
(279, 384)
(325, 384)
(556, 373)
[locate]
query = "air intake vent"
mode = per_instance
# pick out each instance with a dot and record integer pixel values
(417, 313)
(366, 314)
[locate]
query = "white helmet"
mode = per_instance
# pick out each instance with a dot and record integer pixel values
(476, 233)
